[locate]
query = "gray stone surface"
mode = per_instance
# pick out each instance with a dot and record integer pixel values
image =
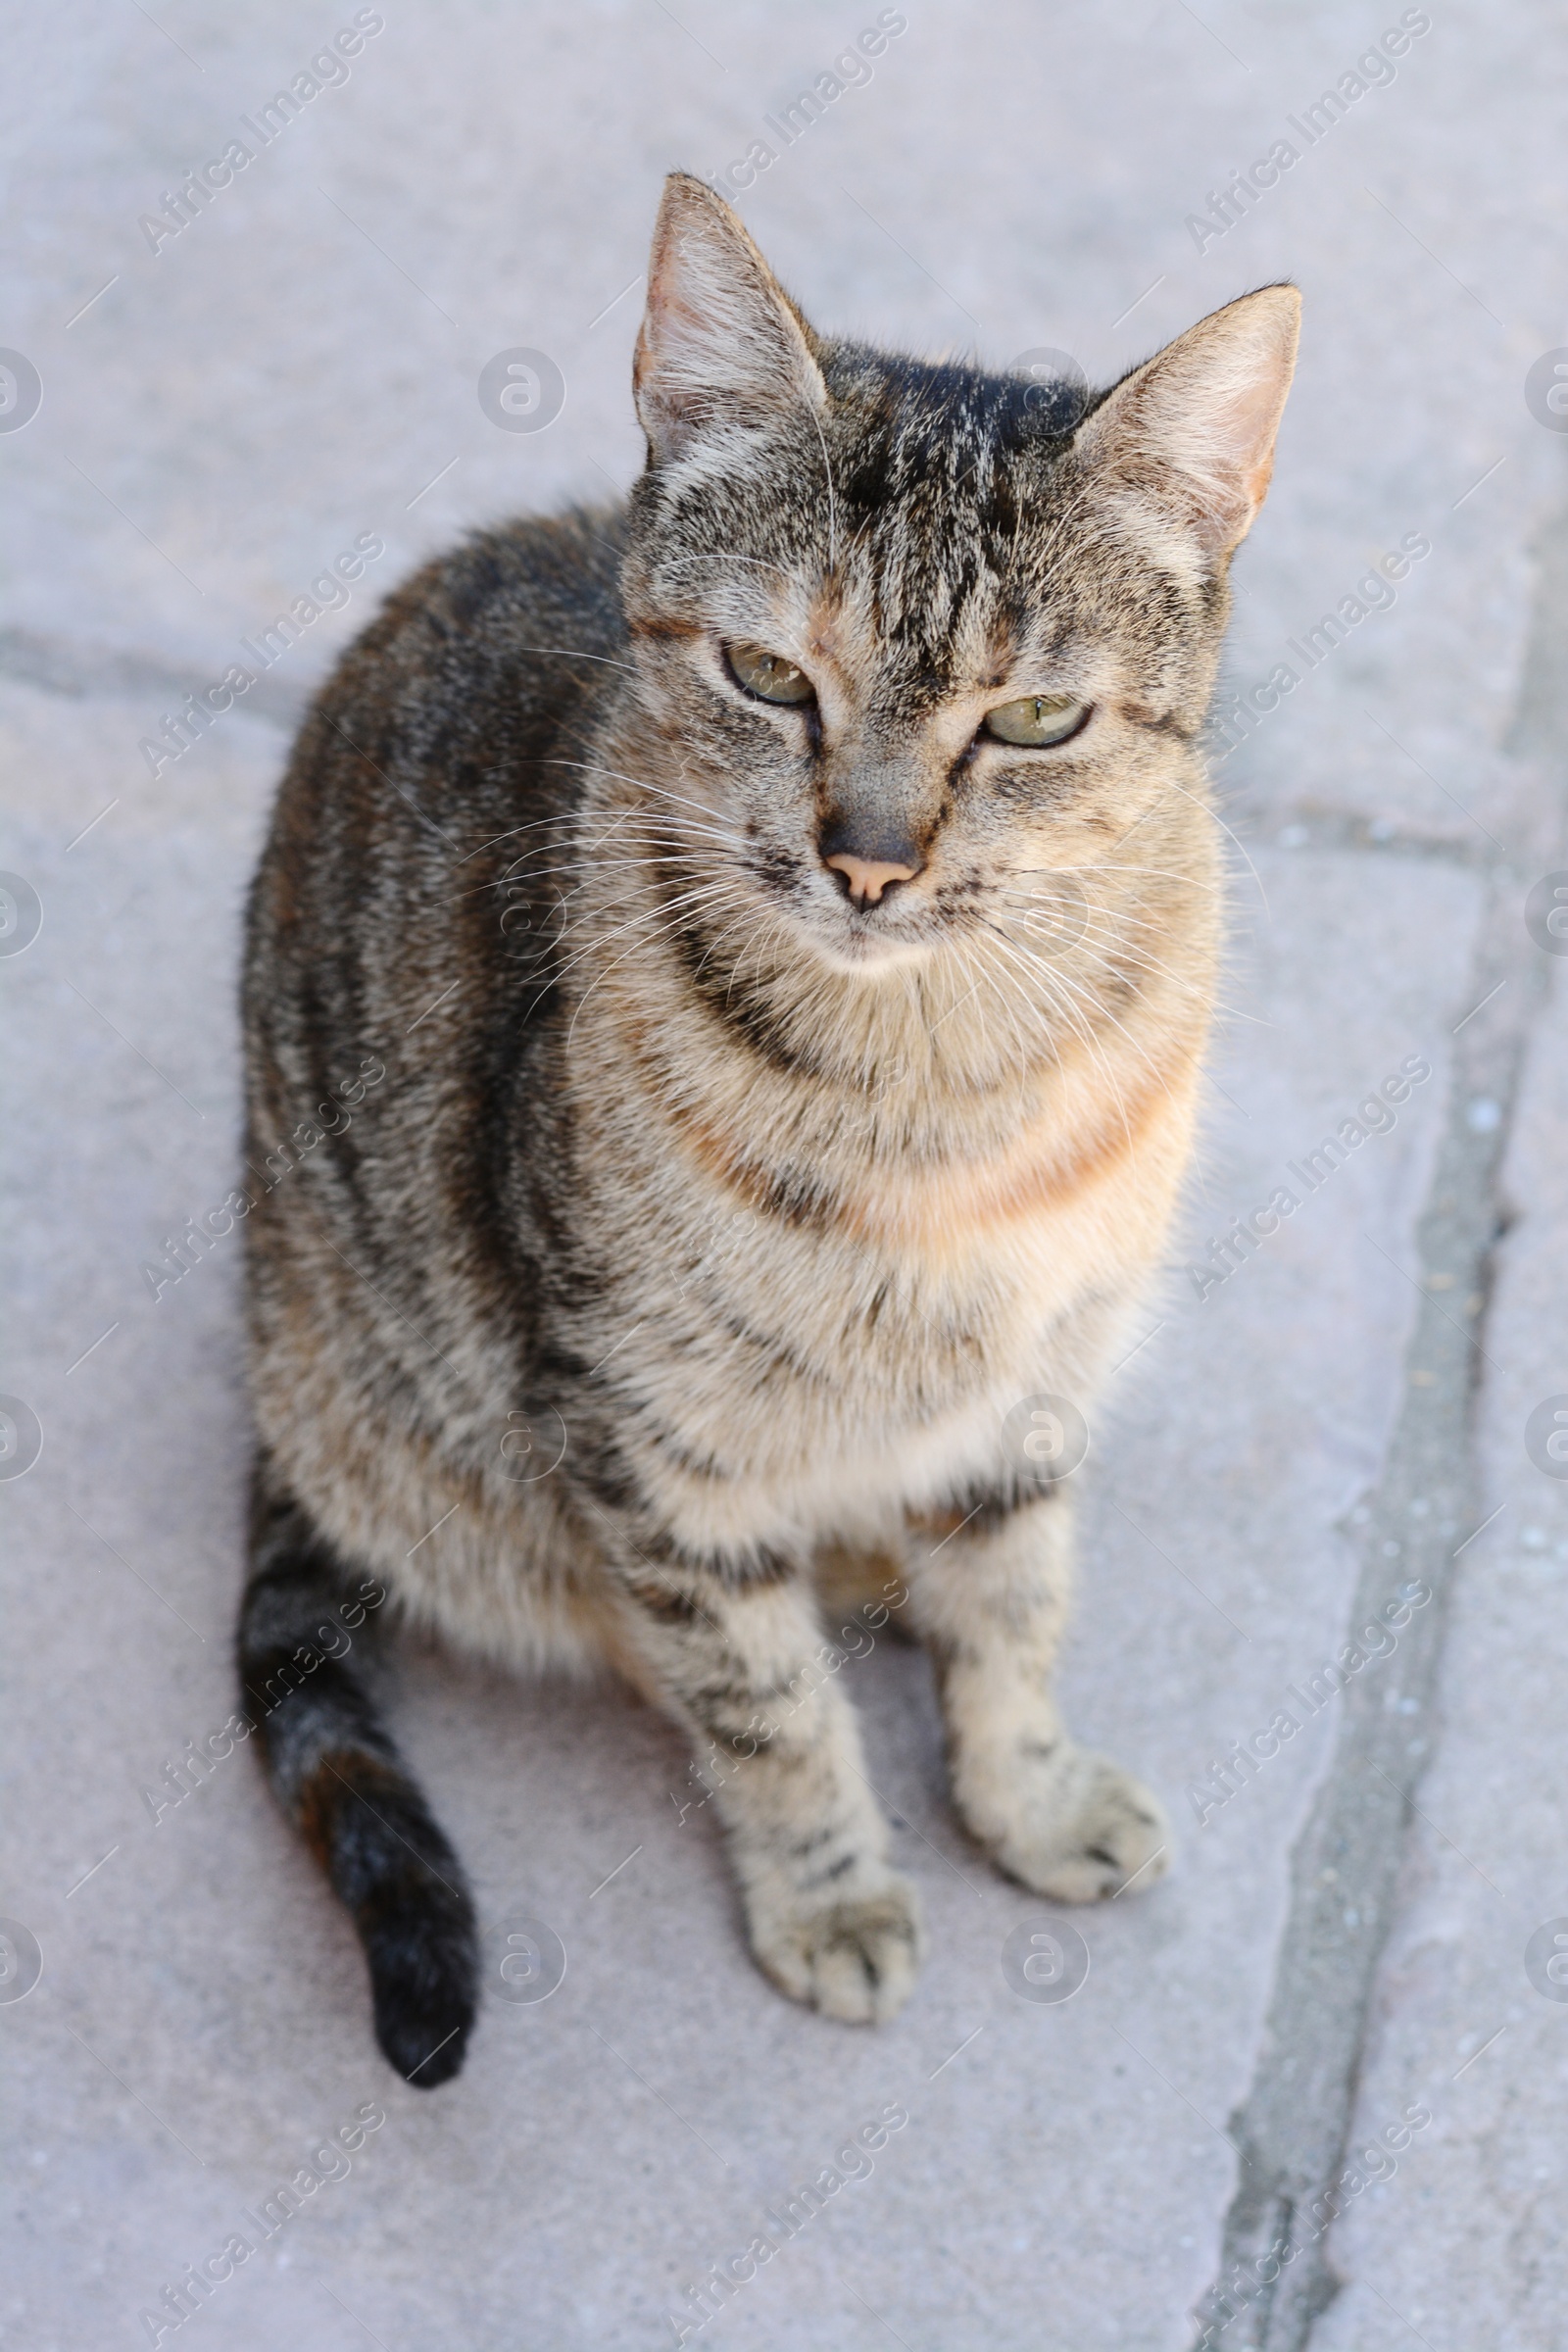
(1464, 2242)
(295, 368)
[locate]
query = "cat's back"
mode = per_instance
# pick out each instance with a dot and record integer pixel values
(400, 1012)
(452, 703)
(479, 619)
(451, 735)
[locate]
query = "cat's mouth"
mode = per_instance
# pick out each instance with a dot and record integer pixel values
(851, 931)
(871, 938)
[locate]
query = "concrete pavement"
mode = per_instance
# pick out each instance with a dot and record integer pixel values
(225, 407)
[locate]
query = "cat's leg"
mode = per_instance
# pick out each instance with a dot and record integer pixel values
(306, 1624)
(848, 1579)
(737, 1656)
(990, 1600)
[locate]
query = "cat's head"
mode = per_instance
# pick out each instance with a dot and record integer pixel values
(905, 648)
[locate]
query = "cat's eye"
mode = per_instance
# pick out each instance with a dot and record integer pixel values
(768, 676)
(1036, 720)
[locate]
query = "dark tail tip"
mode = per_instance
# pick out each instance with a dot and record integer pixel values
(424, 1965)
(389, 1861)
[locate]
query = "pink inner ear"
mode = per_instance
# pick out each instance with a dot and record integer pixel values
(1243, 444)
(1259, 478)
(718, 331)
(1204, 412)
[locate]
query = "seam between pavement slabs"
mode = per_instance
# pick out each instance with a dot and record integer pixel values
(1290, 2130)
(85, 672)
(79, 671)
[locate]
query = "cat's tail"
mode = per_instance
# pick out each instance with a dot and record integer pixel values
(304, 1631)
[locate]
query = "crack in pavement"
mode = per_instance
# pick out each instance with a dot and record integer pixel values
(63, 665)
(1293, 2126)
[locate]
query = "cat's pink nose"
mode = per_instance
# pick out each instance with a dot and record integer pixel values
(868, 877)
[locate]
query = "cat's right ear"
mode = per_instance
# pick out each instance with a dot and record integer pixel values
(721, 344)
(1194, 428)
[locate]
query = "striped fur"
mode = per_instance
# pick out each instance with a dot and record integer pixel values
(707, 1223)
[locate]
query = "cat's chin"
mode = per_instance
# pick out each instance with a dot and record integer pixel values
(863, 955)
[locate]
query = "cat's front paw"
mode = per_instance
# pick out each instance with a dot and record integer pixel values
(853, 1959)
(1080, 1828)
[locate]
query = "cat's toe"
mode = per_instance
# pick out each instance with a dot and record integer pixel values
(855, 1959)
(1091, 1833)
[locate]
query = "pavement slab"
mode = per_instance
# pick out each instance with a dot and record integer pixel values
(1461, 2239)
(299, 367)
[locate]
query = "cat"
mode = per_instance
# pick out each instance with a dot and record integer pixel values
(784, 912)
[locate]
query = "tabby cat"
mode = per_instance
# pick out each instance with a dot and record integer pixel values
(782, 912)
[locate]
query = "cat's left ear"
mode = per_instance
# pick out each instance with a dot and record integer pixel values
(1194, 428)
(721, 344)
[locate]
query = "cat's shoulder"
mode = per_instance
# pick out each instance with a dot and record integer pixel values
(508, 604)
